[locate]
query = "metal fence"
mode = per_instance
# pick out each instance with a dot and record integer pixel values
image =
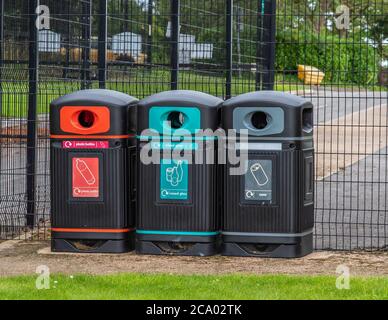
(223, 47)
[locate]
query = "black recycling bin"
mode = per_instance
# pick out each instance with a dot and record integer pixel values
(177, 197)
(92, 148)
(269, 209)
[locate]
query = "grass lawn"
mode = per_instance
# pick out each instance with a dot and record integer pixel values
(138, 84)
(161, 286)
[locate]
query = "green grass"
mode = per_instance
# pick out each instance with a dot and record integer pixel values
(161, 286)
(139, 84)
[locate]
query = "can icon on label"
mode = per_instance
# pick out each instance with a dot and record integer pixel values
(259, 174)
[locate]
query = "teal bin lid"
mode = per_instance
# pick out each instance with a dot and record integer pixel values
(178, 112)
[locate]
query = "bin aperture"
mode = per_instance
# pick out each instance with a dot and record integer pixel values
(176, 119)
(259, 120)
(86, 118)
(269, 210)
(92, 166)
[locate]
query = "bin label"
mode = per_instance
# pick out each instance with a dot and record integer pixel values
(71, 144)
(258, 180)
(85, 177)
(174, 179)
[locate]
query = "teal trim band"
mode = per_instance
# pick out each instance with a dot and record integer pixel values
(178, 233)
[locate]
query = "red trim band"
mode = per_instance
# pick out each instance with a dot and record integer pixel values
(59, 136)
(92, 230)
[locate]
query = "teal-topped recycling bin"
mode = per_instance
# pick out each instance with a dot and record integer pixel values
(177, 194)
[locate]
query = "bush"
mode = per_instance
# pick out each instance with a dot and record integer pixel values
(344, 60)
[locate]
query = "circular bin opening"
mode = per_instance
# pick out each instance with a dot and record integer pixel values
(176, 119)
(86, 118)
(259, 120)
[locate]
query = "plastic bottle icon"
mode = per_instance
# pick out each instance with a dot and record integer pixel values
(85, 172)
(259, 174)
(174, 175)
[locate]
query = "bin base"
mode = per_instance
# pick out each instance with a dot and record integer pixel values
(177, 245)
(93, 245)
(295, 247)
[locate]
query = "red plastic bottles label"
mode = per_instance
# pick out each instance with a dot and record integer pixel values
(71, 144)
(85, 177)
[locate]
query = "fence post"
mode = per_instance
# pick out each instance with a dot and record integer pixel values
(149, 35)
(269, 26)
(229, 49)
(33, 65)
(175, 12)
(102, 42)
(85, 43)
(259, 43)
(67, 45)
(126, 16)
(1, 71)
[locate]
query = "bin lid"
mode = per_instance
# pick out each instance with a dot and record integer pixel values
(108, 112)
(193, 111)
(96, 97)
(268, 98)
(269, 113)
(182, 98)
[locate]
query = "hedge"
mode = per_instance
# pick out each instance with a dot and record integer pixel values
(344, 60)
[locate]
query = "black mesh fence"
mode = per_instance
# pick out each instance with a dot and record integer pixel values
(332, 52)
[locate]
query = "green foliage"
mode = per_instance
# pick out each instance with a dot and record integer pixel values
(344, 60)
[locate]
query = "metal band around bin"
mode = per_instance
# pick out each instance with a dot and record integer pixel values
(63, 136)
(178, 233)
(92, 230)
(253, 234)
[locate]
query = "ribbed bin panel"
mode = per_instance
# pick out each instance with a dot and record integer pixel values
(288, 212)
(111, 211)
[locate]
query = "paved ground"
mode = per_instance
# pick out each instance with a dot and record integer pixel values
(350, 205)
(332, 104)
(18, 258)
(351, 142)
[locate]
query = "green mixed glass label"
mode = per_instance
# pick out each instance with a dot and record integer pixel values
(174, 179)
(174, 145)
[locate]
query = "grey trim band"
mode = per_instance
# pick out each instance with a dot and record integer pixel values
(273, 138)
(287, 138)
(252, 234)
(259, 146)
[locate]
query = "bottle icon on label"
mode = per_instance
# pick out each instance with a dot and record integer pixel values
(174, 175)
(259, 174)
(85, 171)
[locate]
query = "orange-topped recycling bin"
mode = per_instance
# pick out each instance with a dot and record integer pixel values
(92, 143)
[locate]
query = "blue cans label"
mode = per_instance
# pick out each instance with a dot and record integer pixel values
(174, 179)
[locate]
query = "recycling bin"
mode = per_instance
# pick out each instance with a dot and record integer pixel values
(177, 196)
(92, 144)
(269, 206)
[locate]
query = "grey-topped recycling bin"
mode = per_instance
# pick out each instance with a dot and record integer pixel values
(268, 210)
(177, 204)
